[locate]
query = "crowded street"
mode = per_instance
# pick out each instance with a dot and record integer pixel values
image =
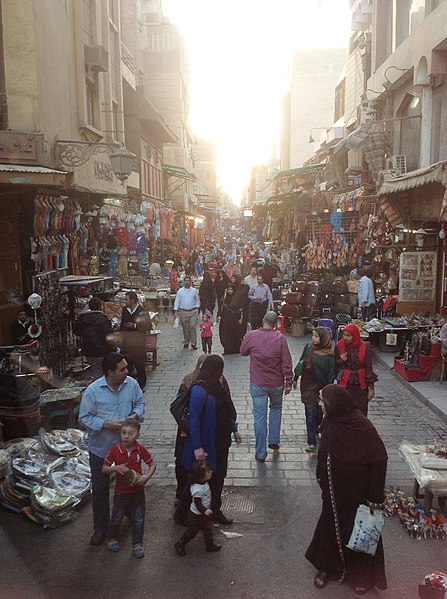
(274, 505)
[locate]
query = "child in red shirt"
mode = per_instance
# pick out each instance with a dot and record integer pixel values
(206, 333)
(125, 460)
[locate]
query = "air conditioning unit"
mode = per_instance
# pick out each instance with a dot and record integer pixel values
(96, 58)
(397, 164)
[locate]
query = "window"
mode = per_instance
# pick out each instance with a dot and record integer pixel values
(114, 56)
(339, 110)
(89, 21)
(89, 103)
(115, 132)
(112, 12)
(410, 130)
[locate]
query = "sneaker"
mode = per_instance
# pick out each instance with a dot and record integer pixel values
(97, 538)
(274, 446)
(113, 545)
(310, 449)
(138, 551)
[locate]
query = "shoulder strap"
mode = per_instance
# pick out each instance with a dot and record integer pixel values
(203, 385)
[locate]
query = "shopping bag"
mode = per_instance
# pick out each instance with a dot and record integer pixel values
(368, 525)
(176, 322)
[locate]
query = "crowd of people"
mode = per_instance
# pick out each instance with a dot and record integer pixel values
(336, 384)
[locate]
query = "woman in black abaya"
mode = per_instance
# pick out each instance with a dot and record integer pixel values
(353, 457)
(233, 319)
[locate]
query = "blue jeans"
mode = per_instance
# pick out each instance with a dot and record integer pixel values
(261, 396)
(132, 505)
(100, 494)
(313, 419)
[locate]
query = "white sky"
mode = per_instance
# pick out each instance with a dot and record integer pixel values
(239, 52)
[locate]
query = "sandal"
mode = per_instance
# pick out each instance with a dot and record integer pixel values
(321, 579)
(359, 590)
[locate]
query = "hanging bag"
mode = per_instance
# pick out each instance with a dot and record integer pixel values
(368, 526)
(298, 371)
(179, 408)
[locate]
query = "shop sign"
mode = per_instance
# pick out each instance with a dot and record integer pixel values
(103, 170)
(417, 277)
(18, 147)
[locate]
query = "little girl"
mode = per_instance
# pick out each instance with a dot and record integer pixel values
(206, 333)
(199, 511)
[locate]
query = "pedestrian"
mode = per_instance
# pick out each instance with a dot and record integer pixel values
(19, 328)
(135, 323)
(200, 512)
(124, 459)
(351, 471)
(212, 421)
(353, 361)
(252, 278)
(95, 331)
(220, 285)
(206, 333)
(231, 269)
(181, 474)
(271, 376)
(106, 403)
(174, 279)
(207, 294)
(261, 300)
(366, 295)
(317, 372)
(186, 307)
(233, 316)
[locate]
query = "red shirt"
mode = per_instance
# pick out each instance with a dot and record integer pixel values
(118, 454)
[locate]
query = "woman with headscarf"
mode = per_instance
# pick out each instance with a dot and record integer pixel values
(212, 421)
(353, 361)
(351, 471)
(220, 285)
(207, 295)
(233, 318)
(318, 371)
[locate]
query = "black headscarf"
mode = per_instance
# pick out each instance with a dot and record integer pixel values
(346, 433)
(221, 284)
(211, 372)
(207, 282)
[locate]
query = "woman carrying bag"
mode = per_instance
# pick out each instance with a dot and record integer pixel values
(353, 360)
(316, 368)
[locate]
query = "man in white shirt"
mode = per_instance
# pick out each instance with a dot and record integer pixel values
(252, 278)
(367, 296)
(186, 307)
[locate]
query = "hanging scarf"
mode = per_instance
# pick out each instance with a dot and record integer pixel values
(346, 434)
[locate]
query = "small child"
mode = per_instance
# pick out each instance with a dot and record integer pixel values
(206, 334)
(199, 511)
(125, 459)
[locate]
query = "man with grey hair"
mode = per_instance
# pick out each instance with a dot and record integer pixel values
(271, 376)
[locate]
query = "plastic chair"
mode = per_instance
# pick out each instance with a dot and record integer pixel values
(283, 324)
(328, 323)
(341, 320)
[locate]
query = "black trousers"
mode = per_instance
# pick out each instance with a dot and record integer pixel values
(195, 524)
(140, 367)
(207, 343)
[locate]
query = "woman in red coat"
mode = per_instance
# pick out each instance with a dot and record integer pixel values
(354, 363)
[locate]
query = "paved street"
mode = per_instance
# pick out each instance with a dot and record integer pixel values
(395, 411)
(275, 505)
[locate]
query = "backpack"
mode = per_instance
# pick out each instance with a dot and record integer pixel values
(179, 408)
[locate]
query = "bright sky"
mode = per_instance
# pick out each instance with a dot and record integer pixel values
(239, 52)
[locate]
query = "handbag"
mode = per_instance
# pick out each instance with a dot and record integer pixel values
(179, 408)
(298, 370)
(368, 526)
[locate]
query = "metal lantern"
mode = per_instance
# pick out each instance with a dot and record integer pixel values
(122, 162)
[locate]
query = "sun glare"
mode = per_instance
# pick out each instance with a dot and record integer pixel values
(240, 52)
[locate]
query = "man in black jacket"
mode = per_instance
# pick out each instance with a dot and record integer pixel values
(94, 327)
(134, 324)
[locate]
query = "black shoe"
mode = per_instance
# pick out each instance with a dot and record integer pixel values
(212, 547)
(260, 460)
(180, 548)
(222, 519)
(274, 446)
(193, 346)
(185, 345)
(97, 538)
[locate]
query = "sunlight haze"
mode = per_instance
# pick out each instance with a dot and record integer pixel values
(239, 53)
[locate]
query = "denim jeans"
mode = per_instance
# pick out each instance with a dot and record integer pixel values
(132, 505)
(100, 494)
(261, 397)
(313, 419)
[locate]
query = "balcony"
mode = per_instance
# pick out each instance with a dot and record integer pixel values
(128, 65)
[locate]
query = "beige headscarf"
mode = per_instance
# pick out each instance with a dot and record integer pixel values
(192, 376)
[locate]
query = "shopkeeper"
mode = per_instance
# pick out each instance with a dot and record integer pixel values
(367, 296)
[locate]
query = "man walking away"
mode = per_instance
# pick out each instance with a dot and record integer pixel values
(94, 327)
(186, 307)
(270, 376)
(367, 296)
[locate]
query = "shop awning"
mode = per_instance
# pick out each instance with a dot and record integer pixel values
(435, 173)
(179, 171)
(311, 168)
(24, 174)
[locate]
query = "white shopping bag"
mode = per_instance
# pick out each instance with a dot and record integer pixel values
(368, 525)
(176, 322)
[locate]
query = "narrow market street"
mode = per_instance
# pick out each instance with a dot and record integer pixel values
(275, 506)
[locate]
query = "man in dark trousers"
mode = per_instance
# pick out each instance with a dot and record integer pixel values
(94, 327)
(134, 324)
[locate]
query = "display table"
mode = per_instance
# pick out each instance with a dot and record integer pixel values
(392, 339)
(432, 481)
(412, 375)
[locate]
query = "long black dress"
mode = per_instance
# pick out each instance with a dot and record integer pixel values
(207, 294)
(233, 320)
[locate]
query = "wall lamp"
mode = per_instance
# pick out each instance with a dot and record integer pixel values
(311, 139)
